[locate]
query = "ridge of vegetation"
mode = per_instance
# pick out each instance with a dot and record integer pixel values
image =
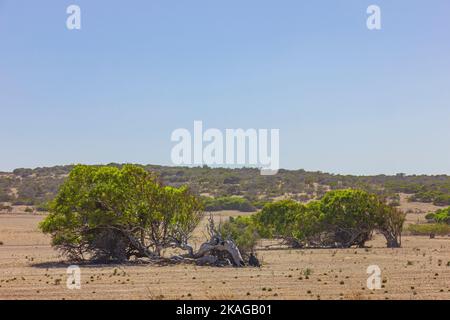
(35, 187)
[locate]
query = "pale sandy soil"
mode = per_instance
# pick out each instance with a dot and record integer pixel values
(416, 210)
(29, 270)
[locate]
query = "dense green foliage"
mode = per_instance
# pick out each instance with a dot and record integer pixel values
(440, 216)
(228, 203)
(109, 213)
(341, 218)
(349, 216)
(243, 232)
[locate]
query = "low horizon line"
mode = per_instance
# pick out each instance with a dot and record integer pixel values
(227, 168)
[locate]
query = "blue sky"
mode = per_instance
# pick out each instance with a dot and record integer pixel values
(346, 99)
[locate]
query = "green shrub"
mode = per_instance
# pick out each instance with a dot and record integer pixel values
(108, 213)
(277, 219)
(440, 229)
(350, 216)
(341, 218)
(259, 204)
(228, 203)
(43, 207)
(442, 216)
(243, 231)
(430, 217)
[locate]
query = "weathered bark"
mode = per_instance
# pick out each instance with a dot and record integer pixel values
(217, 244)
(188, 248)
(393, 240)
(216, 251)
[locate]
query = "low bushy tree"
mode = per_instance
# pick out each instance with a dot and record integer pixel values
(275, 220)
(109, 213)
(244, 233)
(349, 216)
(442, 216)
(342, 218)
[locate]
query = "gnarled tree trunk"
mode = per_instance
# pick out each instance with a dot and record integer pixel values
(216, 251)
(216, 244)
(392, 240)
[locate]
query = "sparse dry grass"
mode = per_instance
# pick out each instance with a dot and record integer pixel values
(29, 269)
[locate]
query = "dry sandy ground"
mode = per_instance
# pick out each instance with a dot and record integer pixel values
(419, 270)
(416, 211)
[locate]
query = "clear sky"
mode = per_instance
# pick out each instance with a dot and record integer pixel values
(346, 99)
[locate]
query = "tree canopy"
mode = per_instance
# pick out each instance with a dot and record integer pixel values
(109, 213)
(442, 216)
(342, 218)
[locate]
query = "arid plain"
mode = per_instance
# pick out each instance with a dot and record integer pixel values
(31, 269)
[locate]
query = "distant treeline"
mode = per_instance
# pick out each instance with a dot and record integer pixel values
(246, 187)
